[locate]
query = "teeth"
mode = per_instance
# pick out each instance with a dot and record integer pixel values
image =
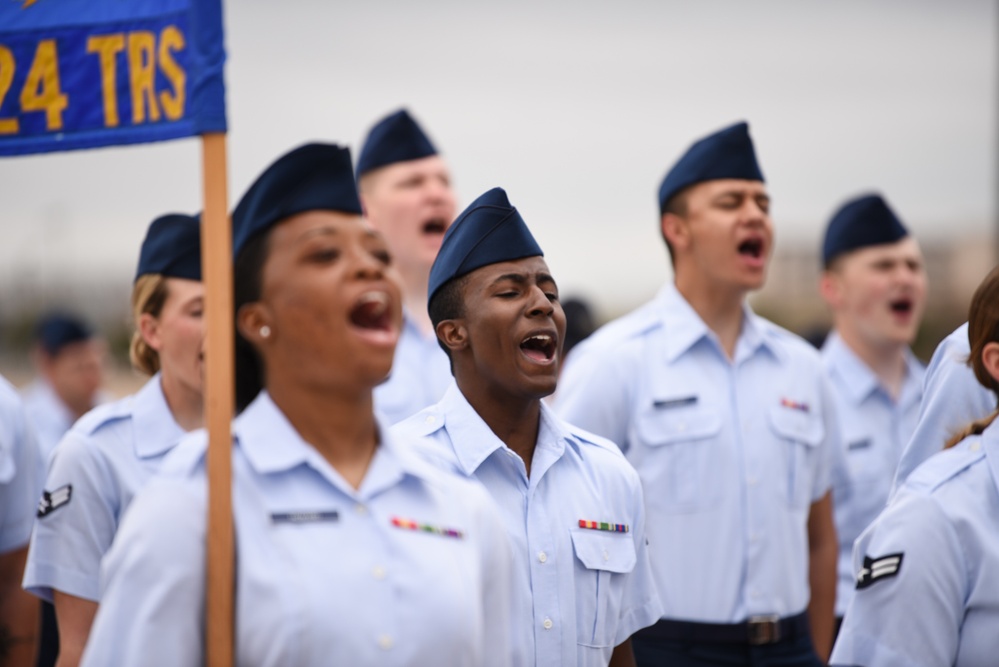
(379, 299)
(543, 338)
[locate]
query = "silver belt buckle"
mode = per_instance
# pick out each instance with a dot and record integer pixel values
(763, 629)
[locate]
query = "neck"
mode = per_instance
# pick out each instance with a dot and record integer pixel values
(186, 404)
(886, 361)
(719, 307)
(414, 298)
(514, 420)
(339, 424)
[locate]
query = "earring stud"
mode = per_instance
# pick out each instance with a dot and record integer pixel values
(265, 331)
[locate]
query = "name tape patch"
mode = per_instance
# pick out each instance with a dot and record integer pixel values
(304, 517)
(859, 444)
(876, 569)
(53, 500)
(667, 403)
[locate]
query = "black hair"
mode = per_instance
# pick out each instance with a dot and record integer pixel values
(248, 272)
(448, 303)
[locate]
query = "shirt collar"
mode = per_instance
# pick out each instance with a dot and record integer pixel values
(271, 444)
(859, 381)
(156, 431)
(474, 441)
(684, 327)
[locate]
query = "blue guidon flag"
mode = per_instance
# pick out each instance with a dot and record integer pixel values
(89, 73)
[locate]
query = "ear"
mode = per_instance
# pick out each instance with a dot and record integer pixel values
(453, 334)
(675, 230)
(990, 359)
(830, 289)
(149, 329)
(251, 320)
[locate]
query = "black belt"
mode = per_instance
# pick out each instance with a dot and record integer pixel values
(755, 631)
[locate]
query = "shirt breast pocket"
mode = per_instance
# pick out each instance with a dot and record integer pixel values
(800, 434)
(679, 475)
(603, 559)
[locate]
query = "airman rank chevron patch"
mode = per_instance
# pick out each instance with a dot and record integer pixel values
(876, 569)
(53, 500)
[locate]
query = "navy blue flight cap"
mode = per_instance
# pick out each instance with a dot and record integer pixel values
(728, 153)
(313, 177)
(172, 247)
(57, 330)
(861, 222)
(395, 138)
(489, 231)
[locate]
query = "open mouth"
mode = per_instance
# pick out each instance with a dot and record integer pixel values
(539, 347)
(901, 306)
(371, 312)
(751, 248)
(435, 227)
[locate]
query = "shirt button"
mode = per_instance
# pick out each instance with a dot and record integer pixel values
(378, 572)
(547, 625)
(543, 557)
(681, 427)
(606, 556)
(360, 509)
(752, 481)
(975, 446)
(430, 419)
(385, 642)
(754, 537)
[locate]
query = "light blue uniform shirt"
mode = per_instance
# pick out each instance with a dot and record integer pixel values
(874, 429)
(931, 568)
(731, 453)
(20, 463)
(420, 375)
(952, 399)
(48, 415)
(323, 577)
(578, 592)
(94, 473)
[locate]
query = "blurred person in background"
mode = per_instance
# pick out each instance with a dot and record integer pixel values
(927, 584)
(405, 191)
(69, 360)
(112, 451)
(20, 487)
(874, 282)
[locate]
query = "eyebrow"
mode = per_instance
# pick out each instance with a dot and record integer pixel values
(318, 231)
(521, 278)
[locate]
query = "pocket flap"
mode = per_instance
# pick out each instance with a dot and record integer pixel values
(658, 426)
(797, 425)
(598, 550)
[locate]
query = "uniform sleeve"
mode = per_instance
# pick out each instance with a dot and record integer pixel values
(912, 616)
(594, 393)
(952, 399)
(20, 481)
(640, 604)
(75, 528)
(152, 597)
(497, 604)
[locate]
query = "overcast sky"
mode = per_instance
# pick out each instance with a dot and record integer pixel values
(577, 109)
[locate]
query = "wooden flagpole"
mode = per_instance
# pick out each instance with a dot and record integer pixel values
(216, 261)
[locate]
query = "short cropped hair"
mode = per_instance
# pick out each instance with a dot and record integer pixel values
(448, 303)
